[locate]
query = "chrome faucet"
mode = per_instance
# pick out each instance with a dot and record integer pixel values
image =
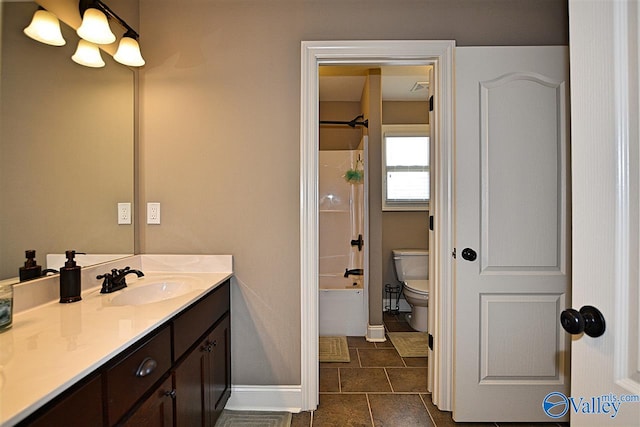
(115, 280)
(353, 272)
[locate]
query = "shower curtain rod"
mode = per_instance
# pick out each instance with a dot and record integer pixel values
(353, 123)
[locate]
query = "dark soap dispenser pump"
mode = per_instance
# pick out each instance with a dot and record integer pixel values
(31, 269)
(70, 284)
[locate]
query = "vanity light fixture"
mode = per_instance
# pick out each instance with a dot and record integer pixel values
(95, 28)
(45, 28)
(88, 54)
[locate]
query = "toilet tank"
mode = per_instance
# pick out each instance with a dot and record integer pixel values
(411, 264)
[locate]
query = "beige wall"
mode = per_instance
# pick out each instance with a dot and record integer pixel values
(220, 134)
(405, 112)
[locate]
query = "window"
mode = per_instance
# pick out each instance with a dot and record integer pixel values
(405, 159)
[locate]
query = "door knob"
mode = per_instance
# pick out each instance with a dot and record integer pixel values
(469, 254)
(588, 320)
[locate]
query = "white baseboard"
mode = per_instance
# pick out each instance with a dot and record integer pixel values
(265, 398)
(375, 333)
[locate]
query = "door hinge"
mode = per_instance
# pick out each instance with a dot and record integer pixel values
(431, 103)
(431, 222)
(453, 254)
(430, 342)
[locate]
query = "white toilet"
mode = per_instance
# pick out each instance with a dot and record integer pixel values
(412, 268)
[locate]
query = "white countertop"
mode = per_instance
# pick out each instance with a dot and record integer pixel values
(52, 346)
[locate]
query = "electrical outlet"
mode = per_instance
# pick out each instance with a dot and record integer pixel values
(153, 213)
(124, 213)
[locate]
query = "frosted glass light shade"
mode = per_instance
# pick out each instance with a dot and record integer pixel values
(95, 28)
(45, 28)
(88, 54)
(128, 52)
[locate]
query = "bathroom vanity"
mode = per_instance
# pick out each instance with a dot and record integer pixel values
(137, 357)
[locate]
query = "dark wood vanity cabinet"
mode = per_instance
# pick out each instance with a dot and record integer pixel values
(178, 375)
(203, 379)
(202, 375)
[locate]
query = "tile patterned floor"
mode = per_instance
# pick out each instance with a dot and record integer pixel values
(378, 388)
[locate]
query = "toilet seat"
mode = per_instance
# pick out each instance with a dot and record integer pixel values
(420, 287)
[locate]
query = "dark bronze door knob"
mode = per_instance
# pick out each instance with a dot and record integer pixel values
(469, 254)
(588, 320)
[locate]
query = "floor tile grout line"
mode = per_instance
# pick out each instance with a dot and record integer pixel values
(370, 411)
(388, 379)
(339, 381)
(427, 409)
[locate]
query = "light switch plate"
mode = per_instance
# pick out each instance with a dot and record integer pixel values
(124, 213)
(153, 213)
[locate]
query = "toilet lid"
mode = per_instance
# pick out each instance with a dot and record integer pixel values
(418, 286)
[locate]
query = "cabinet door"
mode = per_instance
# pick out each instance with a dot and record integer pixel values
(203, 379)
(190, 387)
(156, 411)
(220, 364)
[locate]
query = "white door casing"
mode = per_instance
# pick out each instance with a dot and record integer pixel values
(606, 211)
(432, 322)
(512, 209)
(401, 52)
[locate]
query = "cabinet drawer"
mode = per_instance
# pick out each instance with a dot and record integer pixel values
(138, 370)
(190, 326)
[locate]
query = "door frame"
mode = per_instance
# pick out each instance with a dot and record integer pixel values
(402, 52)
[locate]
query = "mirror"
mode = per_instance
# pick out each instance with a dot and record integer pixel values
(66, 148)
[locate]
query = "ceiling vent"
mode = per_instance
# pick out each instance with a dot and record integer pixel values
(418, 86)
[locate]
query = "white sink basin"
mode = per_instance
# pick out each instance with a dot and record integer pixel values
(153, 290)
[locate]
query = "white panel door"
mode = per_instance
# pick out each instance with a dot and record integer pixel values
(512, 232)
(605, 370)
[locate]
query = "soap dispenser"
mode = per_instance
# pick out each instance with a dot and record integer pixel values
(31, 269)
(70, 281)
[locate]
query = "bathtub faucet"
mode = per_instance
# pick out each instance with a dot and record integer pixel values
(353, 272)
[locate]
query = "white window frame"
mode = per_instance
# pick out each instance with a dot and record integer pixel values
(401, 130)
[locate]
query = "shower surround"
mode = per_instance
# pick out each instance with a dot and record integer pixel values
(343, 300)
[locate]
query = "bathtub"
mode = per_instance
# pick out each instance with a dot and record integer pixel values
(343, 308)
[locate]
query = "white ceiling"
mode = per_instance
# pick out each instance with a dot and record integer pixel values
(399, 83)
